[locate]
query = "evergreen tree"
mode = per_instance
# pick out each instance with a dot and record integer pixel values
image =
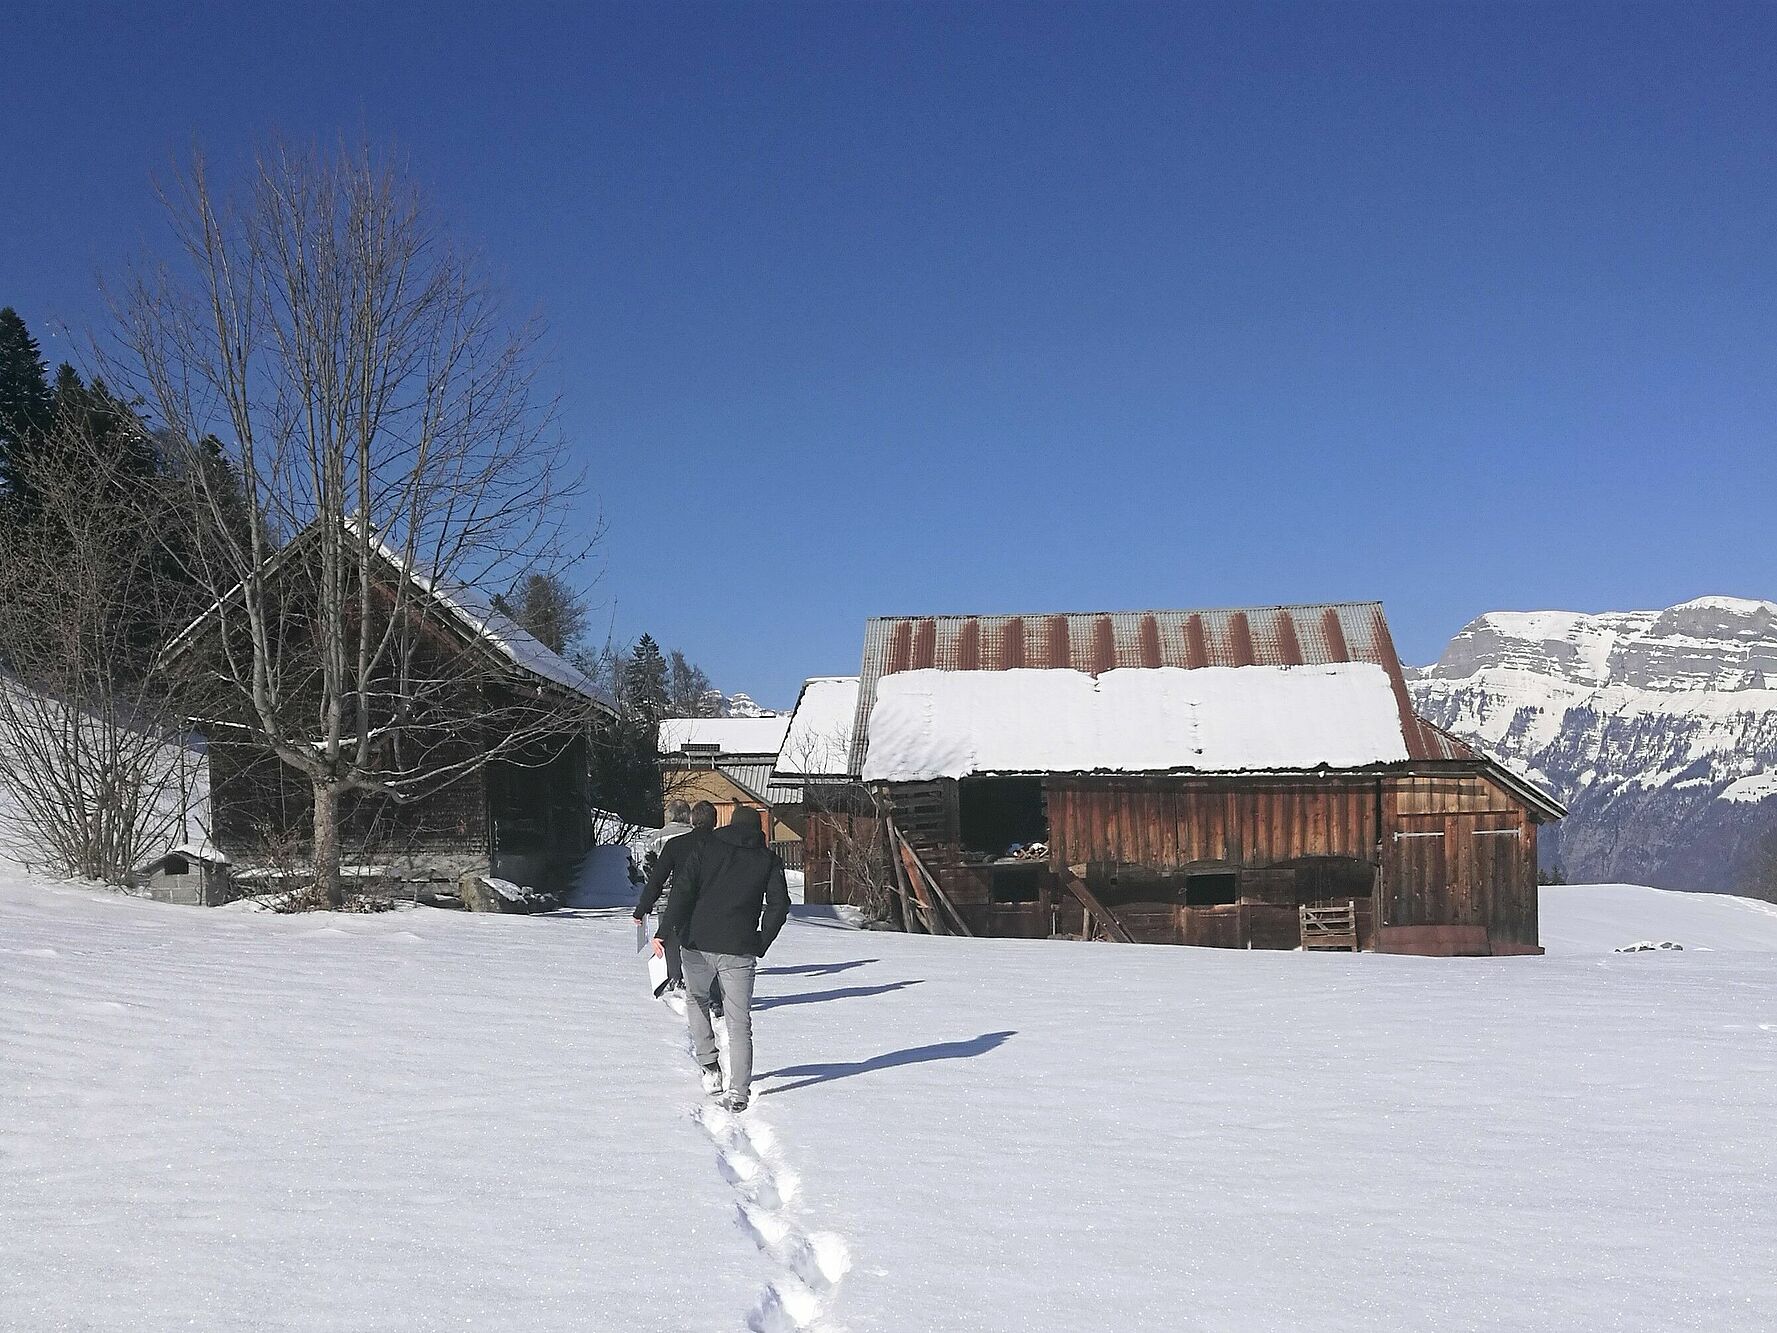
(688, 687)
(24, 396)
(645, 681)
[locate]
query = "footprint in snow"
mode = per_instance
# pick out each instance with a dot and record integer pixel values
(813, 1262)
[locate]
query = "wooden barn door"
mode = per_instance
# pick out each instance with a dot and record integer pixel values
(1482, 850)
(1417, 872)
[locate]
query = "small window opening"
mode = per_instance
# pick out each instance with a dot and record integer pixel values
(1017, 883)
(1211, 890)
(999, 818)
(177, 865)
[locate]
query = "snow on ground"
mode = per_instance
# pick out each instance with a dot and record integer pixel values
(427, 1120)
(1596, 918)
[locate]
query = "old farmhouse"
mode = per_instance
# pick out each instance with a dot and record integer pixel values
(1231, 777)
(523, 818)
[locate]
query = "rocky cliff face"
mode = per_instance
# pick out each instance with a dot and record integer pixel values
(1657, 728)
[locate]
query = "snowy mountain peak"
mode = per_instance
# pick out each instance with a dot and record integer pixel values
(717, 704)
(1708, 643)
(1652, 726)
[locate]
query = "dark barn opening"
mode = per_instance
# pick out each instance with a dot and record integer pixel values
(1018, 883)
(1213, 890)
(995, 815)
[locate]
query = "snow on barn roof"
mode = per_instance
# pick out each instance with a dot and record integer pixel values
(1094, 642)
(949, 724)
(472, 611)
(820, 737)
(488, 624)
(730, 735)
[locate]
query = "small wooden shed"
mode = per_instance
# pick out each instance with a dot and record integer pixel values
(1192, 777)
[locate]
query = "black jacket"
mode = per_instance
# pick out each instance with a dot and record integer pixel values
(730, 897)
(674, 853)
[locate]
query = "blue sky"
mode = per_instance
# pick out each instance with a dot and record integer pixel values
(867, 309)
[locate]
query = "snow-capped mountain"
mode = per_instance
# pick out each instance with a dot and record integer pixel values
(1657, 728)
(734, 705)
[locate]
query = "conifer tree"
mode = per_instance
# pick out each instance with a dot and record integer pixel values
(24, 395)
(644, 683)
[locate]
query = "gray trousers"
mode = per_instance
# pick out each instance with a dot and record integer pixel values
(730, 975)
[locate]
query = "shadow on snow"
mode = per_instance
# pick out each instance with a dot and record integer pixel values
(816, 969)
(838, 993)
(808, 1075)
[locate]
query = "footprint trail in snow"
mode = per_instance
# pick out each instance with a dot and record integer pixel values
(813, 1262)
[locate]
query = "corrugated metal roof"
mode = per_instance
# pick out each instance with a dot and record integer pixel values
(1098, 641)
(756, 778)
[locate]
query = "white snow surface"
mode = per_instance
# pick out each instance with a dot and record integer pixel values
(1596, 918)
(818, 743)
(931, 724)
(1758, 787)
(730, 735)
(431, 1121)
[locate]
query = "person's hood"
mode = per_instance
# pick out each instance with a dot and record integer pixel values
(743, 829)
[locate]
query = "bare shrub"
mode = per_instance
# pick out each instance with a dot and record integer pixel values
(95, 770)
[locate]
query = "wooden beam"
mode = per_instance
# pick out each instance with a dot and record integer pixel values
(916, 871)
(1074, 881)
(912, 922)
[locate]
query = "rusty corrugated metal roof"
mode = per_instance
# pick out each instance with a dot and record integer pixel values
(1099, 641)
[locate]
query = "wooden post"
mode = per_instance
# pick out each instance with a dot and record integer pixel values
(914, 922)
(1074, 881)
(917, 867)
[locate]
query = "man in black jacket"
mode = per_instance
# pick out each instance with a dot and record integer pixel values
(727, 906)
(687, 829)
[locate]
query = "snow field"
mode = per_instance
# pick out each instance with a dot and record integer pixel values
(439, 1121)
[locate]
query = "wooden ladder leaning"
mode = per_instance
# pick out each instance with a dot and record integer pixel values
(1330, 926)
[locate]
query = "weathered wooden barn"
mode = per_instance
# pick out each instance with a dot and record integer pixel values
(524, 817)
(1192, 777)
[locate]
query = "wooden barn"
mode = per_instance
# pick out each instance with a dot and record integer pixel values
(523, 817)
(1245, 778)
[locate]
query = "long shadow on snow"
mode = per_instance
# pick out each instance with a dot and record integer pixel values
(816, 969)
(808, 1075)
(838, 993)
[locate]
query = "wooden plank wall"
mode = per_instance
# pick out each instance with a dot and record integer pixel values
(1179, 822)
(1460, 859)
(834, 846)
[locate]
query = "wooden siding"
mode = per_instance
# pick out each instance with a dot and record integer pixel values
(1459, 871)
(842, 851)
(1437, 862)
(1181, 822)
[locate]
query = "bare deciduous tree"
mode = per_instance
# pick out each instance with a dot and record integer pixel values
(394, 458)
(94, 770)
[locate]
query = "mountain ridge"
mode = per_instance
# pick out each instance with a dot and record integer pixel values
(1658, 729)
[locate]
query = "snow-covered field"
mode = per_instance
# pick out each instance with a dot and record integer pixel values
(232, 1121)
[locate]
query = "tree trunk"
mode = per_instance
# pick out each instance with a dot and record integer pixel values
(327, 843)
